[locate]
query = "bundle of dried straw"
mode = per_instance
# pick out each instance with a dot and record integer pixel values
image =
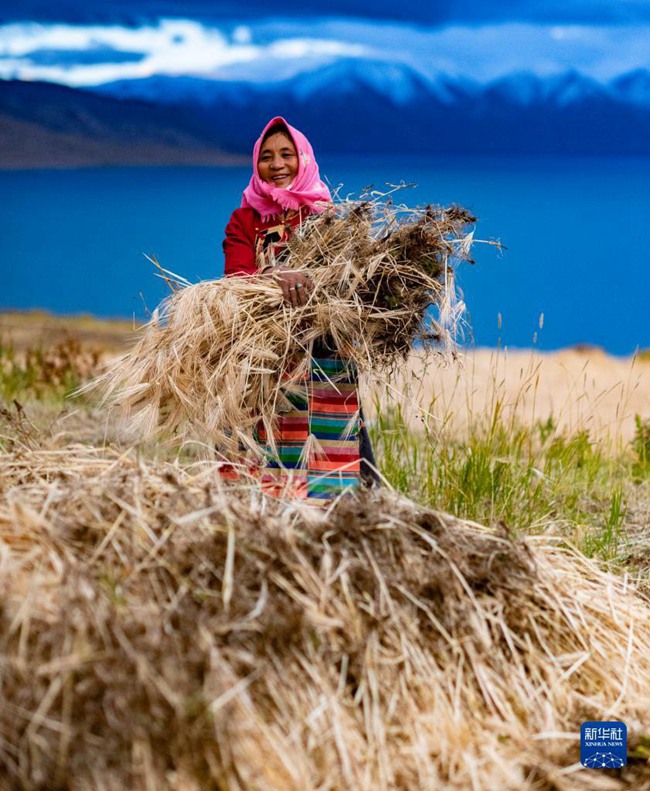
(219, 356)
(157, 632)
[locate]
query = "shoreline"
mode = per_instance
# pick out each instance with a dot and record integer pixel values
(578, 388)
(23, 329)
(27, 324)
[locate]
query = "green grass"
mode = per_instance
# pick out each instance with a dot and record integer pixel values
(530, 478)
(40, 374)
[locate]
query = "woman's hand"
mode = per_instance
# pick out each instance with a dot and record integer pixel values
(296, 286)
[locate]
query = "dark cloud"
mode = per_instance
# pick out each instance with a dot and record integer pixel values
(134, 12)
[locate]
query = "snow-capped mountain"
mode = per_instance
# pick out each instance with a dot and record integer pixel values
(633, 87)
(354, 105)
(523, 112)
(398, 84)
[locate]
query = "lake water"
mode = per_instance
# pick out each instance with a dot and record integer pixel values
(577, 233)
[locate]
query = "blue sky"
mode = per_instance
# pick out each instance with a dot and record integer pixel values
(99, 42)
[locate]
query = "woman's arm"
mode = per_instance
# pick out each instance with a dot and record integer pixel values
(239, 245)
(239, 249)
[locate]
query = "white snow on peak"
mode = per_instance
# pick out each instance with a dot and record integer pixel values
(524, 61)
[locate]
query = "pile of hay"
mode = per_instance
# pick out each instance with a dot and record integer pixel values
(219, 356)
(159, 633)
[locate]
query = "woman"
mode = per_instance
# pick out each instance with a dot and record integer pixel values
(320, 440)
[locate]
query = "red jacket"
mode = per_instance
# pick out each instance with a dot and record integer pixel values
(248, 238)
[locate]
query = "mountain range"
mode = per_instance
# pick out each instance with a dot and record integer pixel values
(350, 106)
(48, 125)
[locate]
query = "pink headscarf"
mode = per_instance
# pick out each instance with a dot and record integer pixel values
(306, 190)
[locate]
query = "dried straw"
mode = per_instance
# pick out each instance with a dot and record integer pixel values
(158, 632)
(220, 356)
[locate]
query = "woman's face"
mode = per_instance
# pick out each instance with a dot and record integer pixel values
(278, 160)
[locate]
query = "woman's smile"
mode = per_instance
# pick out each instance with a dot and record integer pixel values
(281, 178)
(278, 160)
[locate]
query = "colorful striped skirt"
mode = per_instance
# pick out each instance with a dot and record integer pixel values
(315, 450)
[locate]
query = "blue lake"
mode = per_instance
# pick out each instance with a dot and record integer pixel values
(576, 230)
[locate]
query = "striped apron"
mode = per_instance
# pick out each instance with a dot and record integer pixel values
(315, 450)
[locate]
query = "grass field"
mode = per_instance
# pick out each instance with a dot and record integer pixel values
(160, 633)
(513, 456)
